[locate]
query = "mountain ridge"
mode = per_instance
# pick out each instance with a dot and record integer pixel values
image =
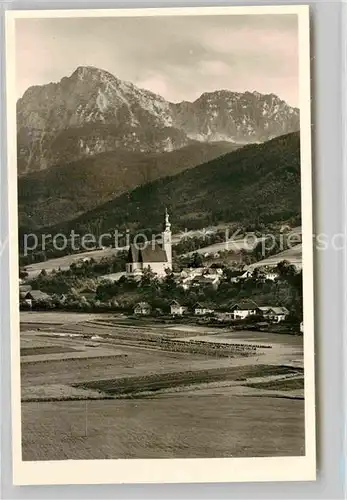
(92, 111)
(255, 184)
(64, 192)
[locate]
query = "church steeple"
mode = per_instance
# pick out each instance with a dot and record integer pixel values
(166, 238)
(167, 226)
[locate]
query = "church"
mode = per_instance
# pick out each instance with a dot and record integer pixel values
(157, 257)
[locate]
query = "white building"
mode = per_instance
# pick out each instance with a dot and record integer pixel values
(271, 275)
(177, 309)
(244, 309)
(202, 309)
(142, 309)
(151, 256)
(275, 314)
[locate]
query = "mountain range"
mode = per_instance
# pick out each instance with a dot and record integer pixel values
(256, 183)
(92, 112)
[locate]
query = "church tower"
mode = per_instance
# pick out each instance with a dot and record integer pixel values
(166, 236)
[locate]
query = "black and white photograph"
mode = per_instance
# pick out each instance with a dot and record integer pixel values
(162, 261)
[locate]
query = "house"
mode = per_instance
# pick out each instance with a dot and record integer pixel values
(236, 276)
(266, 273)
(177, 309)
(152, 255)
(207, 280)
(114, 277)
(36, 297)
(185, 282)
(192, 272)
(285, 228)
(271, 275)
(247, 274)
(216, 270)
(202, 309)
(275, 314)
(244, 309)
(142, 309)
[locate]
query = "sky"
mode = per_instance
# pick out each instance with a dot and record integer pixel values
(176, 57)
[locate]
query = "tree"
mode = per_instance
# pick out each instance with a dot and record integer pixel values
(246, 256)
(197, 260)
(286, 269)
(169, 285)
(23, 273)
(147, 277)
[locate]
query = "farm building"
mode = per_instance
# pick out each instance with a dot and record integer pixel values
(142, 309)
(210, 280)
(36, 297)
(271, 275)
(275, 314)
(244, 309)
(188, 275)
(177, 309)
(202, 309)
(245, 275)
(192, 272)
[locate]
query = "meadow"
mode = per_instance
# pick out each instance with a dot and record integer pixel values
(94, 388)
(180, 427)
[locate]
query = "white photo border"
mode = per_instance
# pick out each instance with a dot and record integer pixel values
(132, 471)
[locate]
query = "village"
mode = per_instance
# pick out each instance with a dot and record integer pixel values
(202, 292)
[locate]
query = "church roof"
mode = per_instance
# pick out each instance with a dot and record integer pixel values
(152, 252)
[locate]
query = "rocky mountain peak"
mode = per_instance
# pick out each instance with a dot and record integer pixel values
(92, 111)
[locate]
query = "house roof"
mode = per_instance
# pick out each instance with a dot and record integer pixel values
(280, 310)
(235, 274)
(142, 304)
(193, 270)
(37, 295)
(245, 305)
(206, 279)
(246, 273)
(175, 303)
(275, 309)
(152, 252)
